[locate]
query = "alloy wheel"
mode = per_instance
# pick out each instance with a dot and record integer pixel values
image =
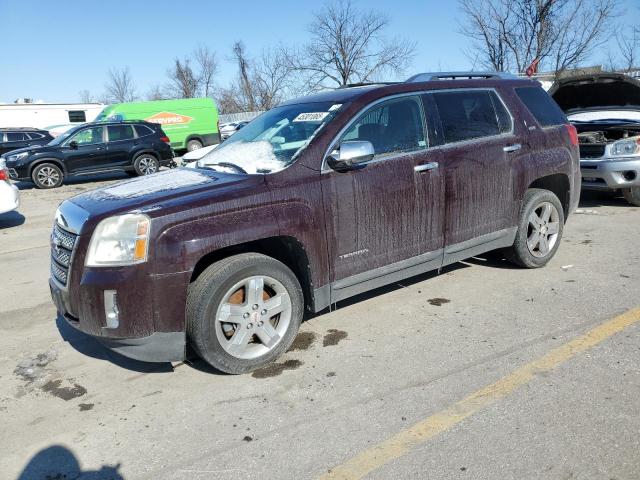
(147, 165)
(253, 317)
(543, 229)
(48, 176)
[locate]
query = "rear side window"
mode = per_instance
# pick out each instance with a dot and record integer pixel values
(466, 115)
(35, 136)
(77, 116)
(16, 137)
(394, 126)
(142, 130)
(541, 105)
(120, 132)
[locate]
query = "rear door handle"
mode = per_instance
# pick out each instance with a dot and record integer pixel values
(512, 148)
(426, 166)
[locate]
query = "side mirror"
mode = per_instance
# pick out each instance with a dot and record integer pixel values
(350, 154)
(73, 145)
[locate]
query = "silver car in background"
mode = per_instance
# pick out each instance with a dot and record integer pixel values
(605, 109)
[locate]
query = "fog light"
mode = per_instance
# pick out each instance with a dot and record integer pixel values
(111, 311)
(629, 176)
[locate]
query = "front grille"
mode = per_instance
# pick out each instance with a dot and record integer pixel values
(60, 274)
(592, 150)
(62, 243)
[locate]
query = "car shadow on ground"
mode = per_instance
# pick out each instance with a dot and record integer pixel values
(58, 462)
(11, 219)
(594, 198)
(90, 347)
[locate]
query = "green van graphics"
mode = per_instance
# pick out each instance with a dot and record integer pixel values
(189, 123)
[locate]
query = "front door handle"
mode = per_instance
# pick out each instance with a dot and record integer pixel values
(512, 148)
(426, 166)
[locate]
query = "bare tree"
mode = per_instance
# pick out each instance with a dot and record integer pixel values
(260, 84)
(156, 92)
(183, 82)
(119, 87)
(207, 69)
(510, 34)
(245, 83)
(86, 96)
(348, 46)
(628, 48)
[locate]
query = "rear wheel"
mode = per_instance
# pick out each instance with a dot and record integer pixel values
(146, 164)
(244, 312)
(632, 195)
(194, 145)
(47, 175)
(539, 230)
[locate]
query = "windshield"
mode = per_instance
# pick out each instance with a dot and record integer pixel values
(272, 141)
(63, 136)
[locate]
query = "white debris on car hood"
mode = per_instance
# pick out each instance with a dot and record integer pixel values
(159, 182)
(253, 157)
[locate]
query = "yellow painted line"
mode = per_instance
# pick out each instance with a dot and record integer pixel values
(401, 443)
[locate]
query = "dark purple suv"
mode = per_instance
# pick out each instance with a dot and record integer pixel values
(316, 200)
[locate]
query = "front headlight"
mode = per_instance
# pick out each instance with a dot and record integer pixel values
(624, 148)
(17, 157)
(121, 240)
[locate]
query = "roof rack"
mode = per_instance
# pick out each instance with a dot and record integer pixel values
(428, 77)
(366, 84)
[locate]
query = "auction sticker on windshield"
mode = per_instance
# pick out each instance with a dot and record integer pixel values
(311, 117)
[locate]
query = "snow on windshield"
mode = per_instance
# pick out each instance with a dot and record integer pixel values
(252, 157)
(138, 187)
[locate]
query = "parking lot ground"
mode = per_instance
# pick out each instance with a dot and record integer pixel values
(384, 366)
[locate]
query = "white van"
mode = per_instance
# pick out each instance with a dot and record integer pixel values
(43, 115)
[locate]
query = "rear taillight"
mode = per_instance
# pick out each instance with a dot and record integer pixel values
(573, 134)
(4, 174)
(165, 139)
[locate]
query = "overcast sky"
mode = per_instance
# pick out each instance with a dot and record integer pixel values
(53, 50)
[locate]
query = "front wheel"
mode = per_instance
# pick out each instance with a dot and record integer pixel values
(243, 312)
(632, 195)
(47, 175)
(539, 230)
(146, 164)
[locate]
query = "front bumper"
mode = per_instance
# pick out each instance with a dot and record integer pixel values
(610, 174)
(157, 347)
(9, 197)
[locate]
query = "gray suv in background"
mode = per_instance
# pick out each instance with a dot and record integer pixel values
(605, 109)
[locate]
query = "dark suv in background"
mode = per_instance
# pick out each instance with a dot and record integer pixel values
(135, 147)
(14, 138)
(314, 201)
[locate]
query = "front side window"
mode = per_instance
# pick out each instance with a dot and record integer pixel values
(120, 132)
(392, 127)
(272, 141)
(466, 115)
(89, 136)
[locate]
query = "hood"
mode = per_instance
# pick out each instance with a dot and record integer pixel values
(604, 91)
(32, 149)
(161, 190)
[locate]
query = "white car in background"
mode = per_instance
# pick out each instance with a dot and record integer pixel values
(9, 196)
(190, 158)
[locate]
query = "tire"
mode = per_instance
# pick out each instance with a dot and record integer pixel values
(632, 195)
(146, 164)
(537, 241)
(194, 145)
(244, 343)
(47, 175)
